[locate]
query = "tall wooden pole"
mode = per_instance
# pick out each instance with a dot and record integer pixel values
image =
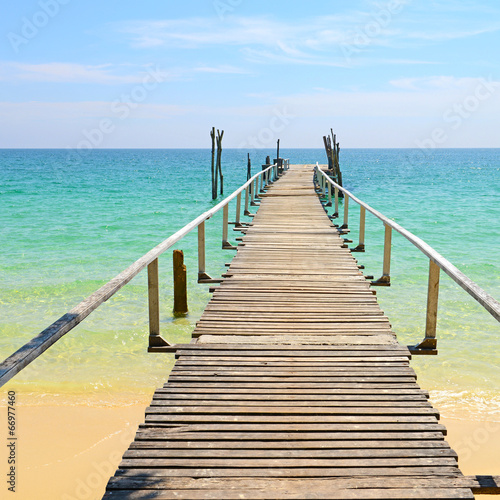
(214, 181)
(249, 168)
(219, 160)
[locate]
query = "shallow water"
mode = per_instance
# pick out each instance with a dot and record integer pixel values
(69, 223)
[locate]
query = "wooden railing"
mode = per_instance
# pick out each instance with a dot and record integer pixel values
(39, 344)
(436, 261)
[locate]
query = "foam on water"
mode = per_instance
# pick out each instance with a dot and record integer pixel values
(71, 223)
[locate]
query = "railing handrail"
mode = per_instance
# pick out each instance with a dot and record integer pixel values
(472, 288)
(40, 343)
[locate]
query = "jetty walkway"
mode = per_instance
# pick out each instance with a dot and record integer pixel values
(294, 386)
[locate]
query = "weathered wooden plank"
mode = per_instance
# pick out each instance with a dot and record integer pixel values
(285, 472)
(293, 351)
(227, 453)
(286, 349)
(368, 494)
(181, 433)
(167, 400)
(305, 390)
(160, 409)
(127, 480)
(238, 463)
(289, 419)
(299, 427)
(333, 399)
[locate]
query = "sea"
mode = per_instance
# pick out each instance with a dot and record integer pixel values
(71, 221)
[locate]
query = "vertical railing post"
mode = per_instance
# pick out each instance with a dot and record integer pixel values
(336, 213)
(247, 201)
(154, 299)
(432, 301)
(180, 284)
(155, 340)
(202, 274)
(238, 210)
(362, 217)
(429, 344)
(225, 226)
(329, 203)
(385, 280)
(345, 225)
(261, 187)
(254, 193)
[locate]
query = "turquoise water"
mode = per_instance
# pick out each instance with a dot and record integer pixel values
(69, 223)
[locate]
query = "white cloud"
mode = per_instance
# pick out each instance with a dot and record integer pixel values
(443, 36)
(57, 72)
(200, 32)
(431, 83)
(223, 69)
(314, 40)
(75, 112)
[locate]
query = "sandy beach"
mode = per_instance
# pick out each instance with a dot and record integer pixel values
(69, 451)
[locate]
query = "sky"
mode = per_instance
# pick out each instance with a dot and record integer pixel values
(160, 74)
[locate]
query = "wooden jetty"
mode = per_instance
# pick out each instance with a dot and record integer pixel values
(294, 386)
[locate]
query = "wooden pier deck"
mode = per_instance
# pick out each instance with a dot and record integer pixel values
(295, 387)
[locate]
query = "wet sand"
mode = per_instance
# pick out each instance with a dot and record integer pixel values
(68, 452)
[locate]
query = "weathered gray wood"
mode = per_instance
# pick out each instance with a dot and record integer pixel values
(284, 472)
(295, 373)
(180, 284)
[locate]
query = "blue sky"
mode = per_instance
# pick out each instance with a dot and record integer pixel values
(388, 73)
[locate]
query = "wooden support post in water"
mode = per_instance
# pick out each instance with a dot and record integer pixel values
(214, 174)
(249, 168)
(155, 340)
(219, 161)
(180, 284)
(362, 217)
(385, 280)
